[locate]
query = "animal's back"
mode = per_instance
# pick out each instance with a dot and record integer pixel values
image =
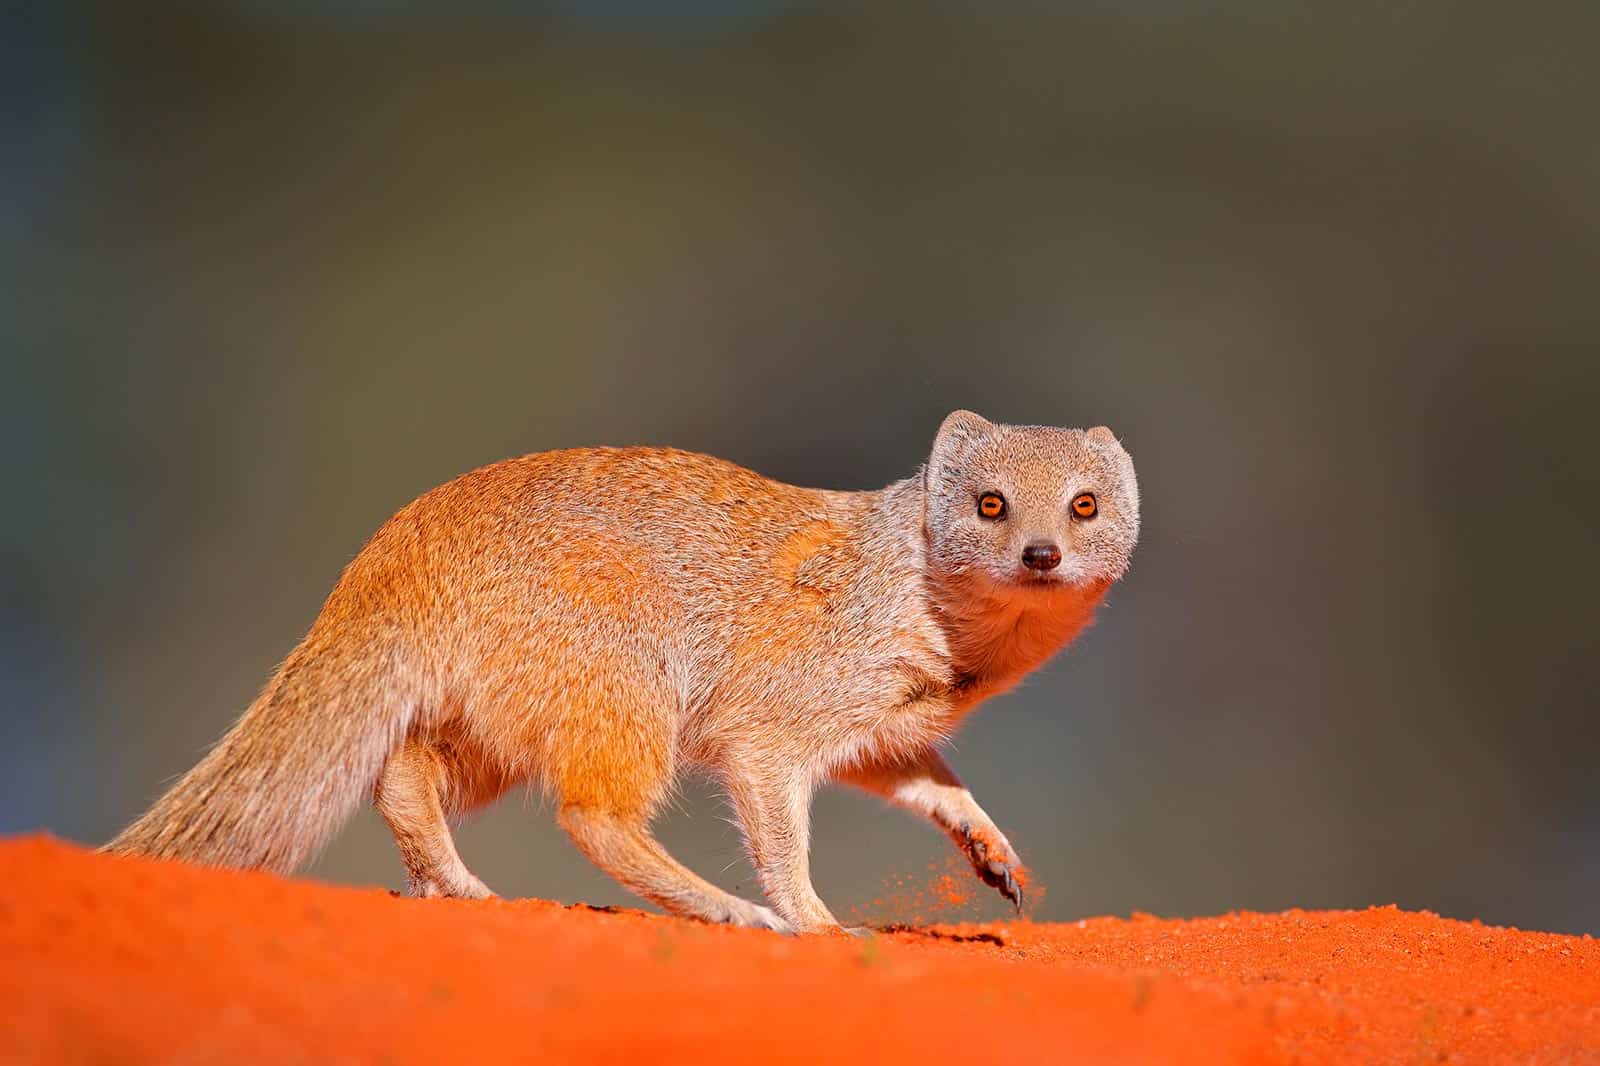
(640, 532)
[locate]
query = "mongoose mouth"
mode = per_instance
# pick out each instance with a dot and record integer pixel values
(1044, 581)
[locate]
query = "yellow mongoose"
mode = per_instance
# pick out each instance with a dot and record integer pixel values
(595, 620)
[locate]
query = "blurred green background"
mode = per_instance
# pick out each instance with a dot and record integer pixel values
(267, 271)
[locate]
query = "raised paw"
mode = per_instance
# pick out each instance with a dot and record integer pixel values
(995, 863)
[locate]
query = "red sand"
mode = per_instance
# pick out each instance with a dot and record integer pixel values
(117, 960)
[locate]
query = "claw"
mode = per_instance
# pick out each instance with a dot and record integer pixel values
(1011, 890)
(977, 848)
(994, 873)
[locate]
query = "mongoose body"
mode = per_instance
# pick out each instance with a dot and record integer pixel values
(596, 621)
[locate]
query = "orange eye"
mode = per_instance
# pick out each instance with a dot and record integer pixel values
(992, 505)
(1083, 505)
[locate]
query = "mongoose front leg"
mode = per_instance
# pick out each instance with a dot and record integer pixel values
(775, 812)
(925, 783)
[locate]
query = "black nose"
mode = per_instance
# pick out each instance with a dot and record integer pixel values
(1041, 557)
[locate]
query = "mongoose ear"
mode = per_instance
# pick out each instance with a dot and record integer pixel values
(1102, 434)
(958, 431)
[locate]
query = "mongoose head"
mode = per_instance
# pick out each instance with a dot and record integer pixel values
(1029, 507)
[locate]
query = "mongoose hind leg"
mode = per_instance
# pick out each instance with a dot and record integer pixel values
(408, 797)
(623, 847)
(613, 770)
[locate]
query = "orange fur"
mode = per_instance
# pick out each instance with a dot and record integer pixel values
(595, 620)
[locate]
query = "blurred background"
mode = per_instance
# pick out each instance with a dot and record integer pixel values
(269, 270)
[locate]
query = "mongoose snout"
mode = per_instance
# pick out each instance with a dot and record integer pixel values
(1042, 556)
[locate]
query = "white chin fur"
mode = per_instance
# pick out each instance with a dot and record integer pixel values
(1023, 580)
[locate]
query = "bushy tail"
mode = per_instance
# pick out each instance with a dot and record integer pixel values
(291, 771)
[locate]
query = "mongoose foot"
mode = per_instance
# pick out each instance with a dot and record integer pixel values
(755, 916)
(998, 871)
(468, 887)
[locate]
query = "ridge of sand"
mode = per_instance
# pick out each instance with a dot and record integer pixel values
(107, 959)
